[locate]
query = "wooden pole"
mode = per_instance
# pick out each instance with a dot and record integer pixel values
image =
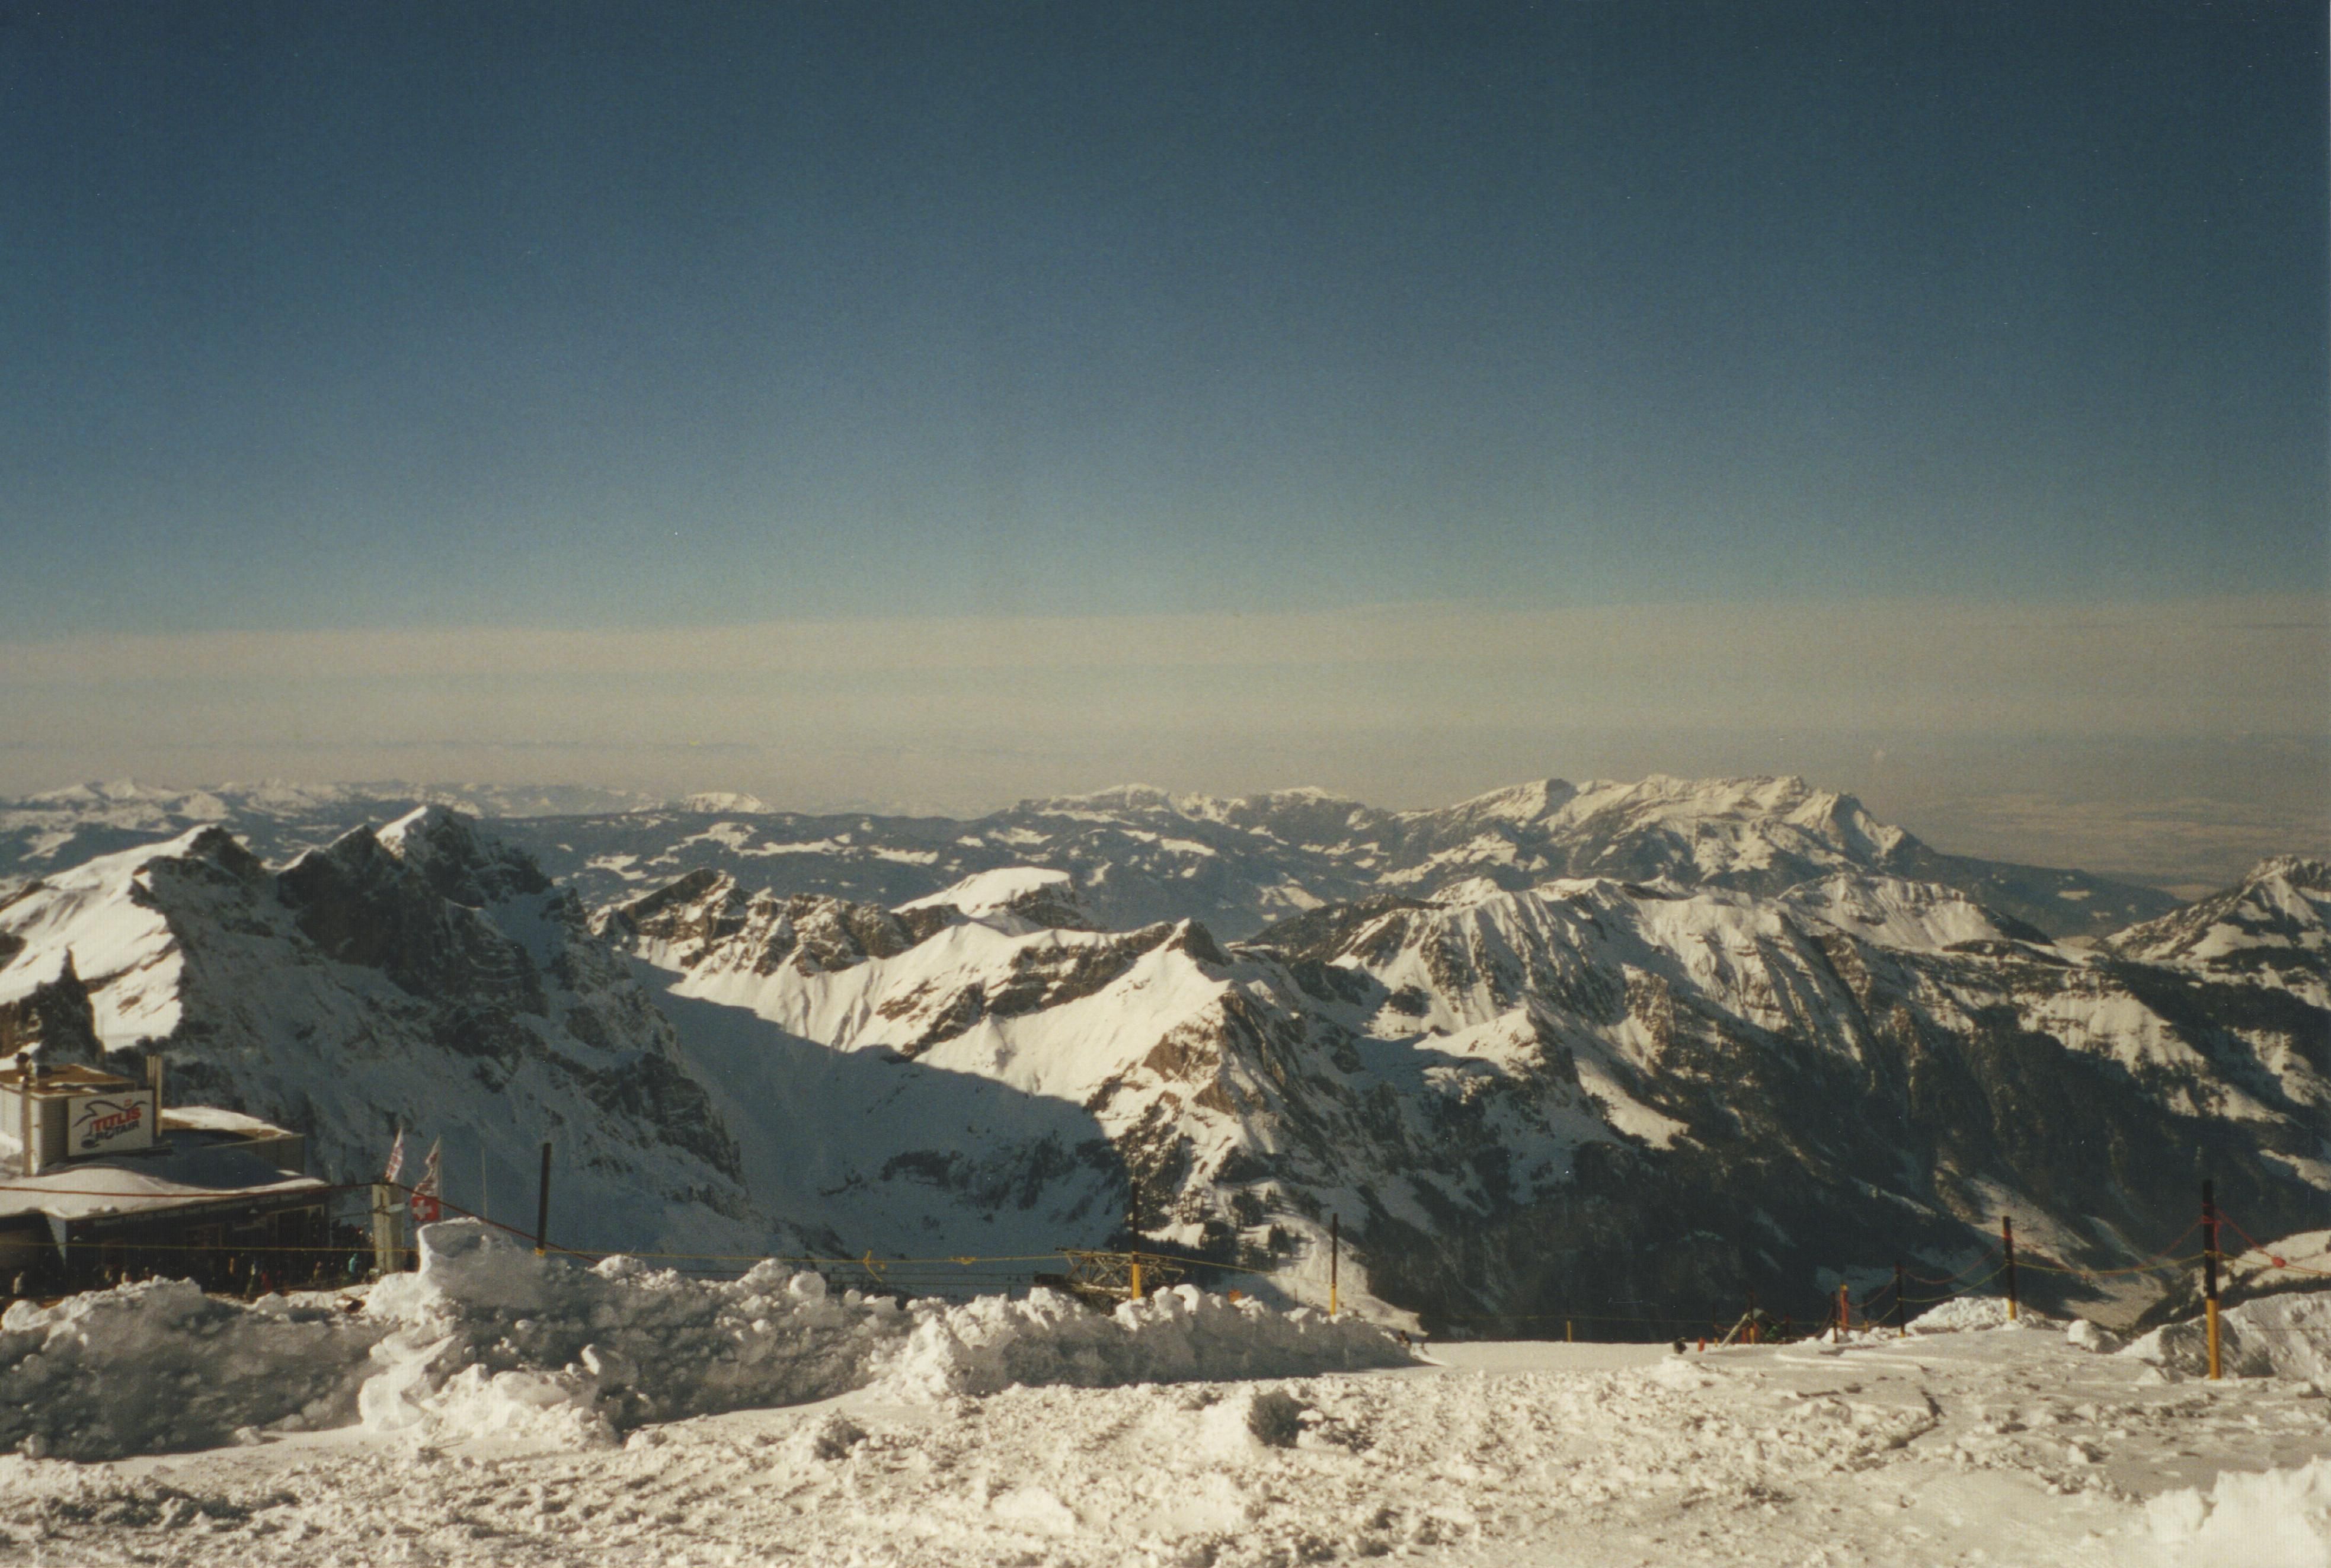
(1751, 1318)
(2210, 1268)
(2007, 1239)
(1133, 1237)
(1901, 1307)
(1569, 1336)
(1335, 1263)
(542, 1205)
(1844, 1312)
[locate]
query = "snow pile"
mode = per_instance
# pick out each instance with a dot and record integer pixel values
(2273, 1337)
(2269, 1519)
(158, 1366)
(489, 1340)
(1177, 1336)
(1962, 1314)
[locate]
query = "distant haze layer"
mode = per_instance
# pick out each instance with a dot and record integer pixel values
(2171, 741)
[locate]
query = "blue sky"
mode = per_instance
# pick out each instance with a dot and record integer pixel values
(359, 317)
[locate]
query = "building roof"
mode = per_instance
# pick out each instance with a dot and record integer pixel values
(67, 1078)
(186, 1171)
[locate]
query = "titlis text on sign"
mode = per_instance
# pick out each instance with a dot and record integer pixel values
(111, 1122)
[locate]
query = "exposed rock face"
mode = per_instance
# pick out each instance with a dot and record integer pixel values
(420, 974)
(707, 913)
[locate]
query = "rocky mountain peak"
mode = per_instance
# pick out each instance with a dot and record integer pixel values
(2275, 922)
(458, 861)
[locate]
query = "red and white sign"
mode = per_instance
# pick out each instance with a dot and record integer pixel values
(105, 1123)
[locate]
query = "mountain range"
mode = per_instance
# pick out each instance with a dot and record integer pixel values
(1139, 854)
(1610, 1053)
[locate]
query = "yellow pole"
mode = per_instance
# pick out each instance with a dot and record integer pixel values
(2210, 1268)
(1136, 1275)
(1567, 1337)
(1335, 1261)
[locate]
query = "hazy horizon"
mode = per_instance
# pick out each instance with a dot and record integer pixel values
(2174, 744)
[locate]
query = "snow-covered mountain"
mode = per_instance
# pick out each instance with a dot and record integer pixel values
(2273, 930)
(62, 828)
(1137, 855)
(1608, 1049)
(1141, 855)
(420, 974)
(1592, 1096)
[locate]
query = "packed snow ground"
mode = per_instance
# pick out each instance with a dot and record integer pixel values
(1986, 1444)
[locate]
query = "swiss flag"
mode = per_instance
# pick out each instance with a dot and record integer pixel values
(428, 1206)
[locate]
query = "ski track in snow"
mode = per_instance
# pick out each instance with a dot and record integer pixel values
(2006, 1445)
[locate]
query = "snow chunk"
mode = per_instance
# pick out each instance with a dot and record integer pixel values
(2270, 1520)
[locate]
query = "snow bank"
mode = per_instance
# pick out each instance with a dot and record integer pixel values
(493, 1341)
(1177, 1336)
(489, 1340)
(1962, 1314)
(2272, 1336)
(2269, 1519)
(158, 1366)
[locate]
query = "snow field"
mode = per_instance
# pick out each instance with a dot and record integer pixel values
(1991, 1447)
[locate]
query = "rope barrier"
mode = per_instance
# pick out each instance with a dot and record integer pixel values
(2273, 1261)
(1909, 1300)
(2168, 1264)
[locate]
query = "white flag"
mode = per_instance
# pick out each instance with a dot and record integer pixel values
(428, 1203)
(395, 1157)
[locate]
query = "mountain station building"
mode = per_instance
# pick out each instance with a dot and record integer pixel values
(101, 1182)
